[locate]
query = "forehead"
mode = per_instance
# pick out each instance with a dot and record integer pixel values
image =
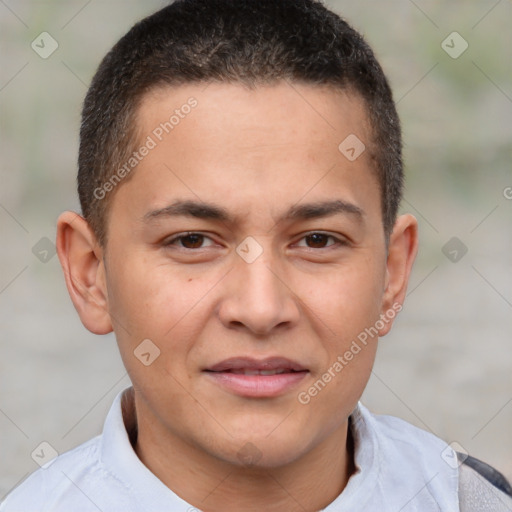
(283, 109)
(264, 146)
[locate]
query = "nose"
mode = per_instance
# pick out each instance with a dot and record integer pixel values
(259, 297)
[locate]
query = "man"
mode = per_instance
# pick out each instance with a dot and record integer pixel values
(240, 174)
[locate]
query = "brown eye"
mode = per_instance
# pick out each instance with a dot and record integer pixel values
(193, 241)
(317, 240)
(189, 241)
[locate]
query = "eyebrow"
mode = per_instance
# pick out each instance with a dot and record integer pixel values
(210, 211)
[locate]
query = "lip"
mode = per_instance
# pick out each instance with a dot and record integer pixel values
(228, 374)
(250, 363)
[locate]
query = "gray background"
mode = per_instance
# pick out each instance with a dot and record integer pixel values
(445, 367)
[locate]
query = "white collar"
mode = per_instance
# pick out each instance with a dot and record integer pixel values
(398, 466)
(120, 459)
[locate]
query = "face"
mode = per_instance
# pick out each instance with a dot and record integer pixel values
(250, 251)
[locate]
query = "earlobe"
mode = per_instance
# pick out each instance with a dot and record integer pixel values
(403, 247)
(81, 259)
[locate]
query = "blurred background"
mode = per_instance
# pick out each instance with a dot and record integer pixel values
(446, 365)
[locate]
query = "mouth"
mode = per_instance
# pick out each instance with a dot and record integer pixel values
(255, 378)
(246, 371)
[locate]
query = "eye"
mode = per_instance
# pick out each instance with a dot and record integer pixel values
(188, 241)
(319, 241)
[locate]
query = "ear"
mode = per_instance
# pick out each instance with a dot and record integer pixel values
(81, 259)
(403, 246)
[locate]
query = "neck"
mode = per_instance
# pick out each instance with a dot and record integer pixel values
(309, 483)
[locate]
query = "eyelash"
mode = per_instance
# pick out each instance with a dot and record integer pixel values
(338, 242)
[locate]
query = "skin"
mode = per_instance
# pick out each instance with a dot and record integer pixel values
(256, 153)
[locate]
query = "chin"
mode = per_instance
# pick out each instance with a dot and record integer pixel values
(261, 452)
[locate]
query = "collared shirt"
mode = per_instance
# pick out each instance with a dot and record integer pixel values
(398, 468)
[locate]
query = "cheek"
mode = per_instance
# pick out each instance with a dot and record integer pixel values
(346, 299)
(149, 312)
(346, 306)
(147, 299)
(158, 303)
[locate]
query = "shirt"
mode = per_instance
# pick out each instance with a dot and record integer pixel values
(399, 467)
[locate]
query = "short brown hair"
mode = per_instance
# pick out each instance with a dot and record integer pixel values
(251, 42)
